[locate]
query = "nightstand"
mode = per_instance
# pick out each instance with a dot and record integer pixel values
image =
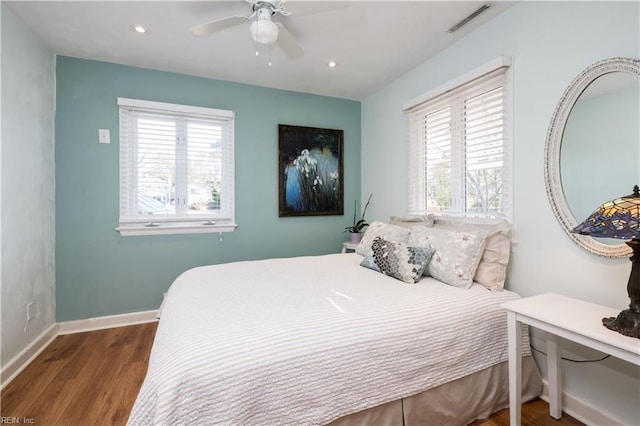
(560, 316)
(348, 246)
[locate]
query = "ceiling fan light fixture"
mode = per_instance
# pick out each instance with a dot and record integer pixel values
(264, 31)
(262, 28)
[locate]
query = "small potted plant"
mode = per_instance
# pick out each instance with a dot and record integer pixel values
(355, 230)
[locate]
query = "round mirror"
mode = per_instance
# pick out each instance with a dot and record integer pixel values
(592, 153)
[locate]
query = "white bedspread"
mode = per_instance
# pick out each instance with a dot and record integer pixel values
(307, 340)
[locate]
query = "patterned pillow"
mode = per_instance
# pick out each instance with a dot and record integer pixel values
(492, 269)
(392, 233)
(400, 261)
(457, 253)
(370, 262)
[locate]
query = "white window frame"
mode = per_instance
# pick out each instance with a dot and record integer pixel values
(135, 224)
(416, 174)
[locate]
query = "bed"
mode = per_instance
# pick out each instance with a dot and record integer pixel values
(323, 340)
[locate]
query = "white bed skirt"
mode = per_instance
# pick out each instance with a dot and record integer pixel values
(460, 402)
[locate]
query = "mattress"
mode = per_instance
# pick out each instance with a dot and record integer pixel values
(308, 340)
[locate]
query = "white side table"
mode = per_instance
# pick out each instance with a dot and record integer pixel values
(560, 316)
(348, 246)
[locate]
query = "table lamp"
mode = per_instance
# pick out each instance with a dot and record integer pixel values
(620, 219)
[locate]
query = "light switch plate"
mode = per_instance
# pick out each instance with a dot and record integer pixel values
(104, 136)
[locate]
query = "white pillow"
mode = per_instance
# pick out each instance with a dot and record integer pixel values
(456, 255)
(392, 233)
(410, 222)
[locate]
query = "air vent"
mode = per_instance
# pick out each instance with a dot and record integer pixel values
(466, 20)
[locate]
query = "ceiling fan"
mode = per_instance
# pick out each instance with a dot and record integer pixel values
(263, 29)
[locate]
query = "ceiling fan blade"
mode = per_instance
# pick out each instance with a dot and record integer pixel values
(288, 43)
(218, 25)
(302, 7)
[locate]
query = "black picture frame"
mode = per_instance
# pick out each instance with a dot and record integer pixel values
(310, 171)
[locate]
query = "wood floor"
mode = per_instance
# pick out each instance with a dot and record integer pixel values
(93, 379)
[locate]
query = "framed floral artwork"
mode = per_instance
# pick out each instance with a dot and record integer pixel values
(310, 171)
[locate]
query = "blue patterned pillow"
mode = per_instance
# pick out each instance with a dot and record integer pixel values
(370, 262)
(400, 261)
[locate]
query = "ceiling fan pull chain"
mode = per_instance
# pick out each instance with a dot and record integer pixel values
(257, 44)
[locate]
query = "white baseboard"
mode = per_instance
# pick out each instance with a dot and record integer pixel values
(27, 355)
(111, 321)
(580, 410)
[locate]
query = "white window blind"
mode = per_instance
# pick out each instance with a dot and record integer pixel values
(176, 168)
(459, 151)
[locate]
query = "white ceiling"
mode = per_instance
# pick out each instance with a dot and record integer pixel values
(373, 42)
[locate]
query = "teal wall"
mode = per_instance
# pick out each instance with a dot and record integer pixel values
(99, 272)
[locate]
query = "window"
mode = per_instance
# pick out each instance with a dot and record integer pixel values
(176, 168)
(459, 150)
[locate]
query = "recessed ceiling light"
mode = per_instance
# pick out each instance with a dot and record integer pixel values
(139, 29)
(331, 64)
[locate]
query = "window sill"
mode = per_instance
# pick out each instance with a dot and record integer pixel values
(172, 229)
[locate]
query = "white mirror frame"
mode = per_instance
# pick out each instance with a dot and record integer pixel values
(553, 182)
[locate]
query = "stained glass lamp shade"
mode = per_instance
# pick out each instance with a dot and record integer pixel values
(620, 218)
